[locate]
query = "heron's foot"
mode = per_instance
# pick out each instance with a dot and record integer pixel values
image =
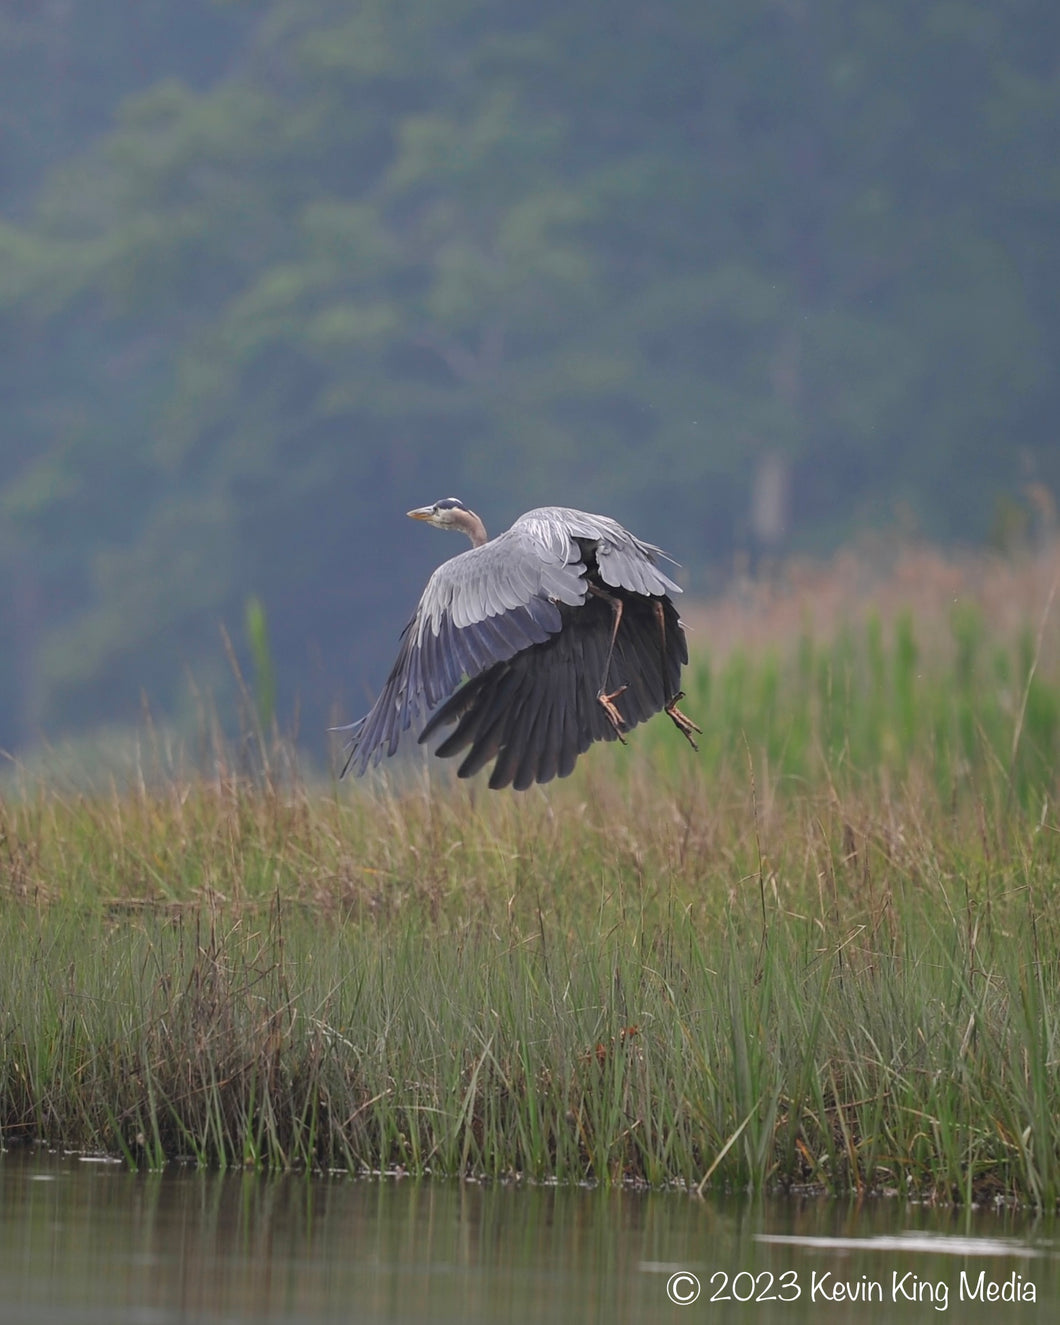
(681, 721)
(613, 715)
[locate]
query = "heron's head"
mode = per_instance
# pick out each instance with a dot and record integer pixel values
(451, 513)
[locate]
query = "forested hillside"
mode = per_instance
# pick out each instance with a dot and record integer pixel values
(743, 275)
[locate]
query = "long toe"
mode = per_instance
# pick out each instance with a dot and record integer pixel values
(681, 721)
(607, 702)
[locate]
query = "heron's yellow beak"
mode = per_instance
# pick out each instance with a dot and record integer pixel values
(421, 513)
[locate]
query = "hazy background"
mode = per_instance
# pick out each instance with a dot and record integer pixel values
(750, 277)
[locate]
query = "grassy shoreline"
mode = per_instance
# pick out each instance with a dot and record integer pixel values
(825, 952)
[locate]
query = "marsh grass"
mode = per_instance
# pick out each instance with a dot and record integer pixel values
(825, 952)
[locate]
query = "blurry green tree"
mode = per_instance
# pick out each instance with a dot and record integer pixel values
(646, 259)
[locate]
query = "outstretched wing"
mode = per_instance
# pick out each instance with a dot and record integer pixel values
(480, 608)
(492, 604)
(536, 712)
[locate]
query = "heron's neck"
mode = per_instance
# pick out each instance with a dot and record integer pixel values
(473, 527)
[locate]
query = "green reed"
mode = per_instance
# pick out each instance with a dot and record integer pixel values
(901, 1047)
(824, 952)
(877, 703)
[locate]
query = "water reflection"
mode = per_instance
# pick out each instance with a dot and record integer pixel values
(85, 1242)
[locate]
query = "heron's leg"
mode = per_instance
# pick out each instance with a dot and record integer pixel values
(606, 700)
(681, 721)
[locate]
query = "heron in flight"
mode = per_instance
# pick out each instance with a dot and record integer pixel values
(563, 632)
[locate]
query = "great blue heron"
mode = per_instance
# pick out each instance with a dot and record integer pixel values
(565, 631)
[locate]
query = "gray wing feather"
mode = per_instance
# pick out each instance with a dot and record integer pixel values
(490, 603)
(479, 608)
(624, 561)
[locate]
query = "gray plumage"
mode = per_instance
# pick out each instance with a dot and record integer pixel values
(538, 624)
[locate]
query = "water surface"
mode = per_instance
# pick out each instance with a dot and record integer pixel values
(88, 1241)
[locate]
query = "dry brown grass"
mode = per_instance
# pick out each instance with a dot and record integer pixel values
(886, 577)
